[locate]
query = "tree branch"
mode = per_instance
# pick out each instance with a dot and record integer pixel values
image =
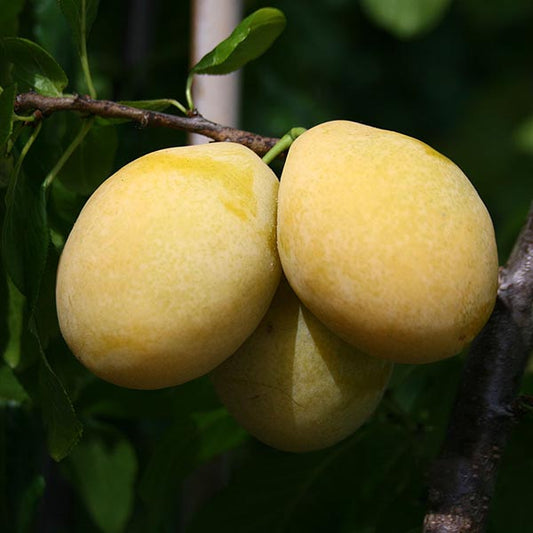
(46, 105)
(462, 478)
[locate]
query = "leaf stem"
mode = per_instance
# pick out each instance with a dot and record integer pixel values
(18, 128)
(24, 118)
(178, 105)
(188, 91)
(26, 149)
(83, 51)
(283, 145)
(86, 126)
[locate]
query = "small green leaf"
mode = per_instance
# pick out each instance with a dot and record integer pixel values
(251, 38)
(405, 18)
(159, 104)
(80, 15)
(104, 475)
(11, 391)
(33, 67)
(7, 101)
(62, 425)
(91, 162)
(218, 432)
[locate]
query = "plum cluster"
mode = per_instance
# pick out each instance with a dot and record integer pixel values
(297, 295)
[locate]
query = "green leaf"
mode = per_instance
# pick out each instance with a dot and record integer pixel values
(251, 38)
(33, 67)
(7, 101)
(104, 475)
(190, 442)
(63, 427)
(218, 432)
(11, 391)
(405, 18)
(80, 15)
(25, 235)
(92, 161)
(159, 104)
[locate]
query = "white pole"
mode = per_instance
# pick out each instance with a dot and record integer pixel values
(215, 97)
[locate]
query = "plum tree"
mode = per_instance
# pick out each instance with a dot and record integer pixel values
(58, 139)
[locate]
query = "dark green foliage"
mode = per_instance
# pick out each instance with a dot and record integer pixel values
(25, 234)
(93, 159)
(190, 442)
(458, 77)
(279, 492)
(7, 99)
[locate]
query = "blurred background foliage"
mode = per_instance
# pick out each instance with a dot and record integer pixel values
(455, 74)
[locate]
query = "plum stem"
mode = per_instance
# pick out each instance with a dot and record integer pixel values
(282, 145)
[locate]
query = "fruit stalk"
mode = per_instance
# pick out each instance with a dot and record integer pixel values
(462, 478)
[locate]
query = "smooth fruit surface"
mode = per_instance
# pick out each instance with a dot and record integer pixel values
(296, 386)
(171, 265)
(386, 241)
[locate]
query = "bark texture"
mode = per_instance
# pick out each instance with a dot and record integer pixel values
(463, 476)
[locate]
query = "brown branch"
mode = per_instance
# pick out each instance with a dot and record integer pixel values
(46, 105)
(463, 476)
